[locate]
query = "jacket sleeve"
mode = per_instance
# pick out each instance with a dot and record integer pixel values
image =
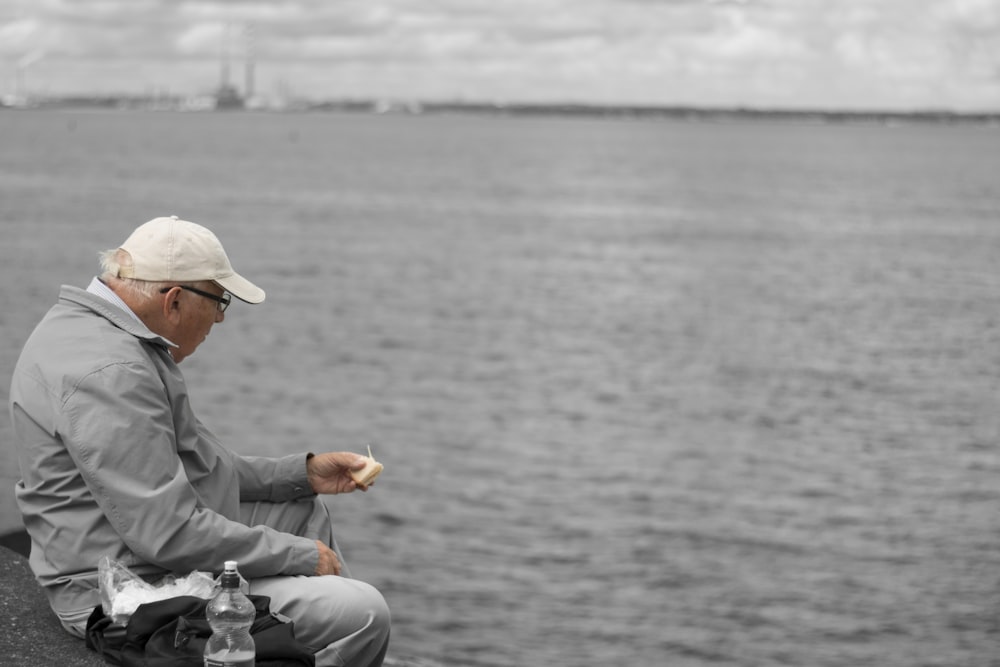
(118, 425)
(275, 480)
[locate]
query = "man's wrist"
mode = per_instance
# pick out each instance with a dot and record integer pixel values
(309, 474)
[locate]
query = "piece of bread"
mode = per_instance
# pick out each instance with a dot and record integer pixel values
(367, 475)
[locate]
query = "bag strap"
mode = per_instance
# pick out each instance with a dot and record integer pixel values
(105, 637)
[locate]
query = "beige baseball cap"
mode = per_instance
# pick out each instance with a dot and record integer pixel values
(169, 249)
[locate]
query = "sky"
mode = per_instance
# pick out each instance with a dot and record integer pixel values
(793, 54)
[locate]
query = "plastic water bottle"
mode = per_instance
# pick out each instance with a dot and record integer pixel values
(230, 613)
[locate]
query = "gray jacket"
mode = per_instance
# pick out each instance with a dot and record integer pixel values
(114, 462)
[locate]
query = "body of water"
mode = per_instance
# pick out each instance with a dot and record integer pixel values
(647, 393)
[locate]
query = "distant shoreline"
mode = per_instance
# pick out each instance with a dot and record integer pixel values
(521, 109)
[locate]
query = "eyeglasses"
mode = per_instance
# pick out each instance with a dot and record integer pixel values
(223, 301)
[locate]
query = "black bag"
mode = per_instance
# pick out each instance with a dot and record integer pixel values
(173, 633)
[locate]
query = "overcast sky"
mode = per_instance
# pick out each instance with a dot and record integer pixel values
(846, 54)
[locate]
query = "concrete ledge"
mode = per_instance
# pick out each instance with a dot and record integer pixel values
(32, 634)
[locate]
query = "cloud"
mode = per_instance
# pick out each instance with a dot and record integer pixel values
(201, 38)
(649, 51)
(20, 36)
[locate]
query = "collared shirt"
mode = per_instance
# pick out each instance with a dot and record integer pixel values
(100, 289)
(115, 463)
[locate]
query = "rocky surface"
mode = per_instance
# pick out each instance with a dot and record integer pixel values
(33, 636)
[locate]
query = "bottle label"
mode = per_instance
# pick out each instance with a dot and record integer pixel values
(241, 659)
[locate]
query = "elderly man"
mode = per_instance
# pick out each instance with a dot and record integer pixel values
(114, 462)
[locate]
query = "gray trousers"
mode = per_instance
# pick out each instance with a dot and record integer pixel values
(344, 620)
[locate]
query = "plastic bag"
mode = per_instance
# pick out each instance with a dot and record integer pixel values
(122, 591)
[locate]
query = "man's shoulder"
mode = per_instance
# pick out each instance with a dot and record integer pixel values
(73, 341)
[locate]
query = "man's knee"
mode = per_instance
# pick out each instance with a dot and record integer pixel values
(345, 620)
(364, 629)
(381, 618)
(366, 606)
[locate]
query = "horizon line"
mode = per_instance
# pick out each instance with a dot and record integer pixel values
(384, 105)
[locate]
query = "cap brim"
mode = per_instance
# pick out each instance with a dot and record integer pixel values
(241, 288)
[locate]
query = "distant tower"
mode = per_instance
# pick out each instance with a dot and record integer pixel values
(226, 97)
(224, 59)
(248, 82)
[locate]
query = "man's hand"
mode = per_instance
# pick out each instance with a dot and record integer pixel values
(330, 472)
(328, 561)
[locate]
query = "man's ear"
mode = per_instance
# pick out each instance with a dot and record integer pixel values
(171, 305)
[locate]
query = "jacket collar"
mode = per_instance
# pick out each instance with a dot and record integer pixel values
(112, 313)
